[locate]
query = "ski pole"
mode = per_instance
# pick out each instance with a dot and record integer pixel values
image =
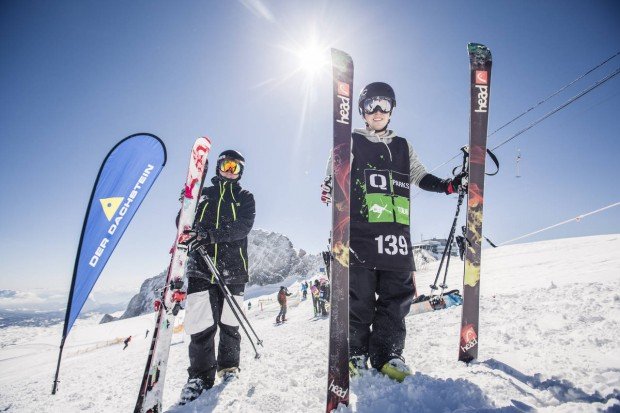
(227, 291)
(443, 285)
(228, 300)
(449, 241)
(453, 228)
(227, 297)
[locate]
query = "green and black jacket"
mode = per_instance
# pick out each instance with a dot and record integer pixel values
(226, 212)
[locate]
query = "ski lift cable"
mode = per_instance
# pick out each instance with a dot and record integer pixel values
(538, 104)
(552, 95)
(530, 126)
(577, 219)
(562, 106)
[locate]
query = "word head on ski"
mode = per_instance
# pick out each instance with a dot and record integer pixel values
(338, 367)
(480, 89)
(152, 387)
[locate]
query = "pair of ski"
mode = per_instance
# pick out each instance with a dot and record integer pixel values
(480, 83)
(152, 387)
(150, 396)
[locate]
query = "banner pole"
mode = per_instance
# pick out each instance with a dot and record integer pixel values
(55, 386)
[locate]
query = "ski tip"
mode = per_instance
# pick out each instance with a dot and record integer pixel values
(340, 58)
(479, 52)
(339, 52)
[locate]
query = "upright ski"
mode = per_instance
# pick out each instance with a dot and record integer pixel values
(480, 66)
(152, 387)
(338, 370)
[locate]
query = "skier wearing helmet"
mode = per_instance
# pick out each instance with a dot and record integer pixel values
(224, 218)
(383, 167)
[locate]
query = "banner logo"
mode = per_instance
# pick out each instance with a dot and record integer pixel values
(110, 206)
(121, 214)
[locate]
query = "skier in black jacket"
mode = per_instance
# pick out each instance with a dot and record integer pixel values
(224, 218)
(383, 168)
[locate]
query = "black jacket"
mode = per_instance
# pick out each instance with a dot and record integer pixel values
(226, 213)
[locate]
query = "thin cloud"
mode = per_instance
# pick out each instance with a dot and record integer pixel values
(258, 8)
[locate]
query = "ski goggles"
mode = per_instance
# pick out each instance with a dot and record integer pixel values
(382, 104)
(231, 166)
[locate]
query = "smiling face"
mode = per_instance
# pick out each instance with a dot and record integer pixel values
(377, 121)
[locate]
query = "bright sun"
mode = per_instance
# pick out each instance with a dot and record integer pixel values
(312, 58)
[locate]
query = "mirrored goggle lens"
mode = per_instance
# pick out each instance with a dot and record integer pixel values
(231, 166)
(371, 105)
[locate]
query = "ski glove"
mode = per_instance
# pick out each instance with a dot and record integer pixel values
(457, 183)
(194, 239)
(326, 190)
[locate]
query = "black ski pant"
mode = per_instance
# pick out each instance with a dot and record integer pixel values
(207, 310)
(282, 314)
(322, 308)
(378, 303)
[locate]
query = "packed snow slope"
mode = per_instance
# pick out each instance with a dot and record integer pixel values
(549, 322)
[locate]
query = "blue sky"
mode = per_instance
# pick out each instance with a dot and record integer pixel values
(77, 76)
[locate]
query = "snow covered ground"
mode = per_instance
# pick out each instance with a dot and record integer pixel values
(550, 317)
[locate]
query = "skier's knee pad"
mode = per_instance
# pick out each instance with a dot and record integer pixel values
(198, 312)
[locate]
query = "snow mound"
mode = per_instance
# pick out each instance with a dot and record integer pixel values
(549, 317)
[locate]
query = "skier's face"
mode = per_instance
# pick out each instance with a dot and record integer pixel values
(229, 168)
(229, 175)
(378, 120)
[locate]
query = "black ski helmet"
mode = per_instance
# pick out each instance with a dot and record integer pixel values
(230, 154)
(373, 90)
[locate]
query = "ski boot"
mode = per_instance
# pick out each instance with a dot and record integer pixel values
(193, 389)
(229, 374)
(396, 369)
(357, 365)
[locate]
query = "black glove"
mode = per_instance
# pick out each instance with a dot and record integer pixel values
(193, 239)
(457, 183)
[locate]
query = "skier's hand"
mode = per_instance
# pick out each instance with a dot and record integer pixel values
(458, 183)
(193, 239)
(188, 239)
(326, 190)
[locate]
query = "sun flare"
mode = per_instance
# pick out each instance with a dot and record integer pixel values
(312, 58)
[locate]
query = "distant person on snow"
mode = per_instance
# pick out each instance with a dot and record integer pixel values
(383, 168)
(314, 290)
(147, 333)
(126, 341)
(304, 290)
(224, 218)
(323, 297)
(282, 294)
